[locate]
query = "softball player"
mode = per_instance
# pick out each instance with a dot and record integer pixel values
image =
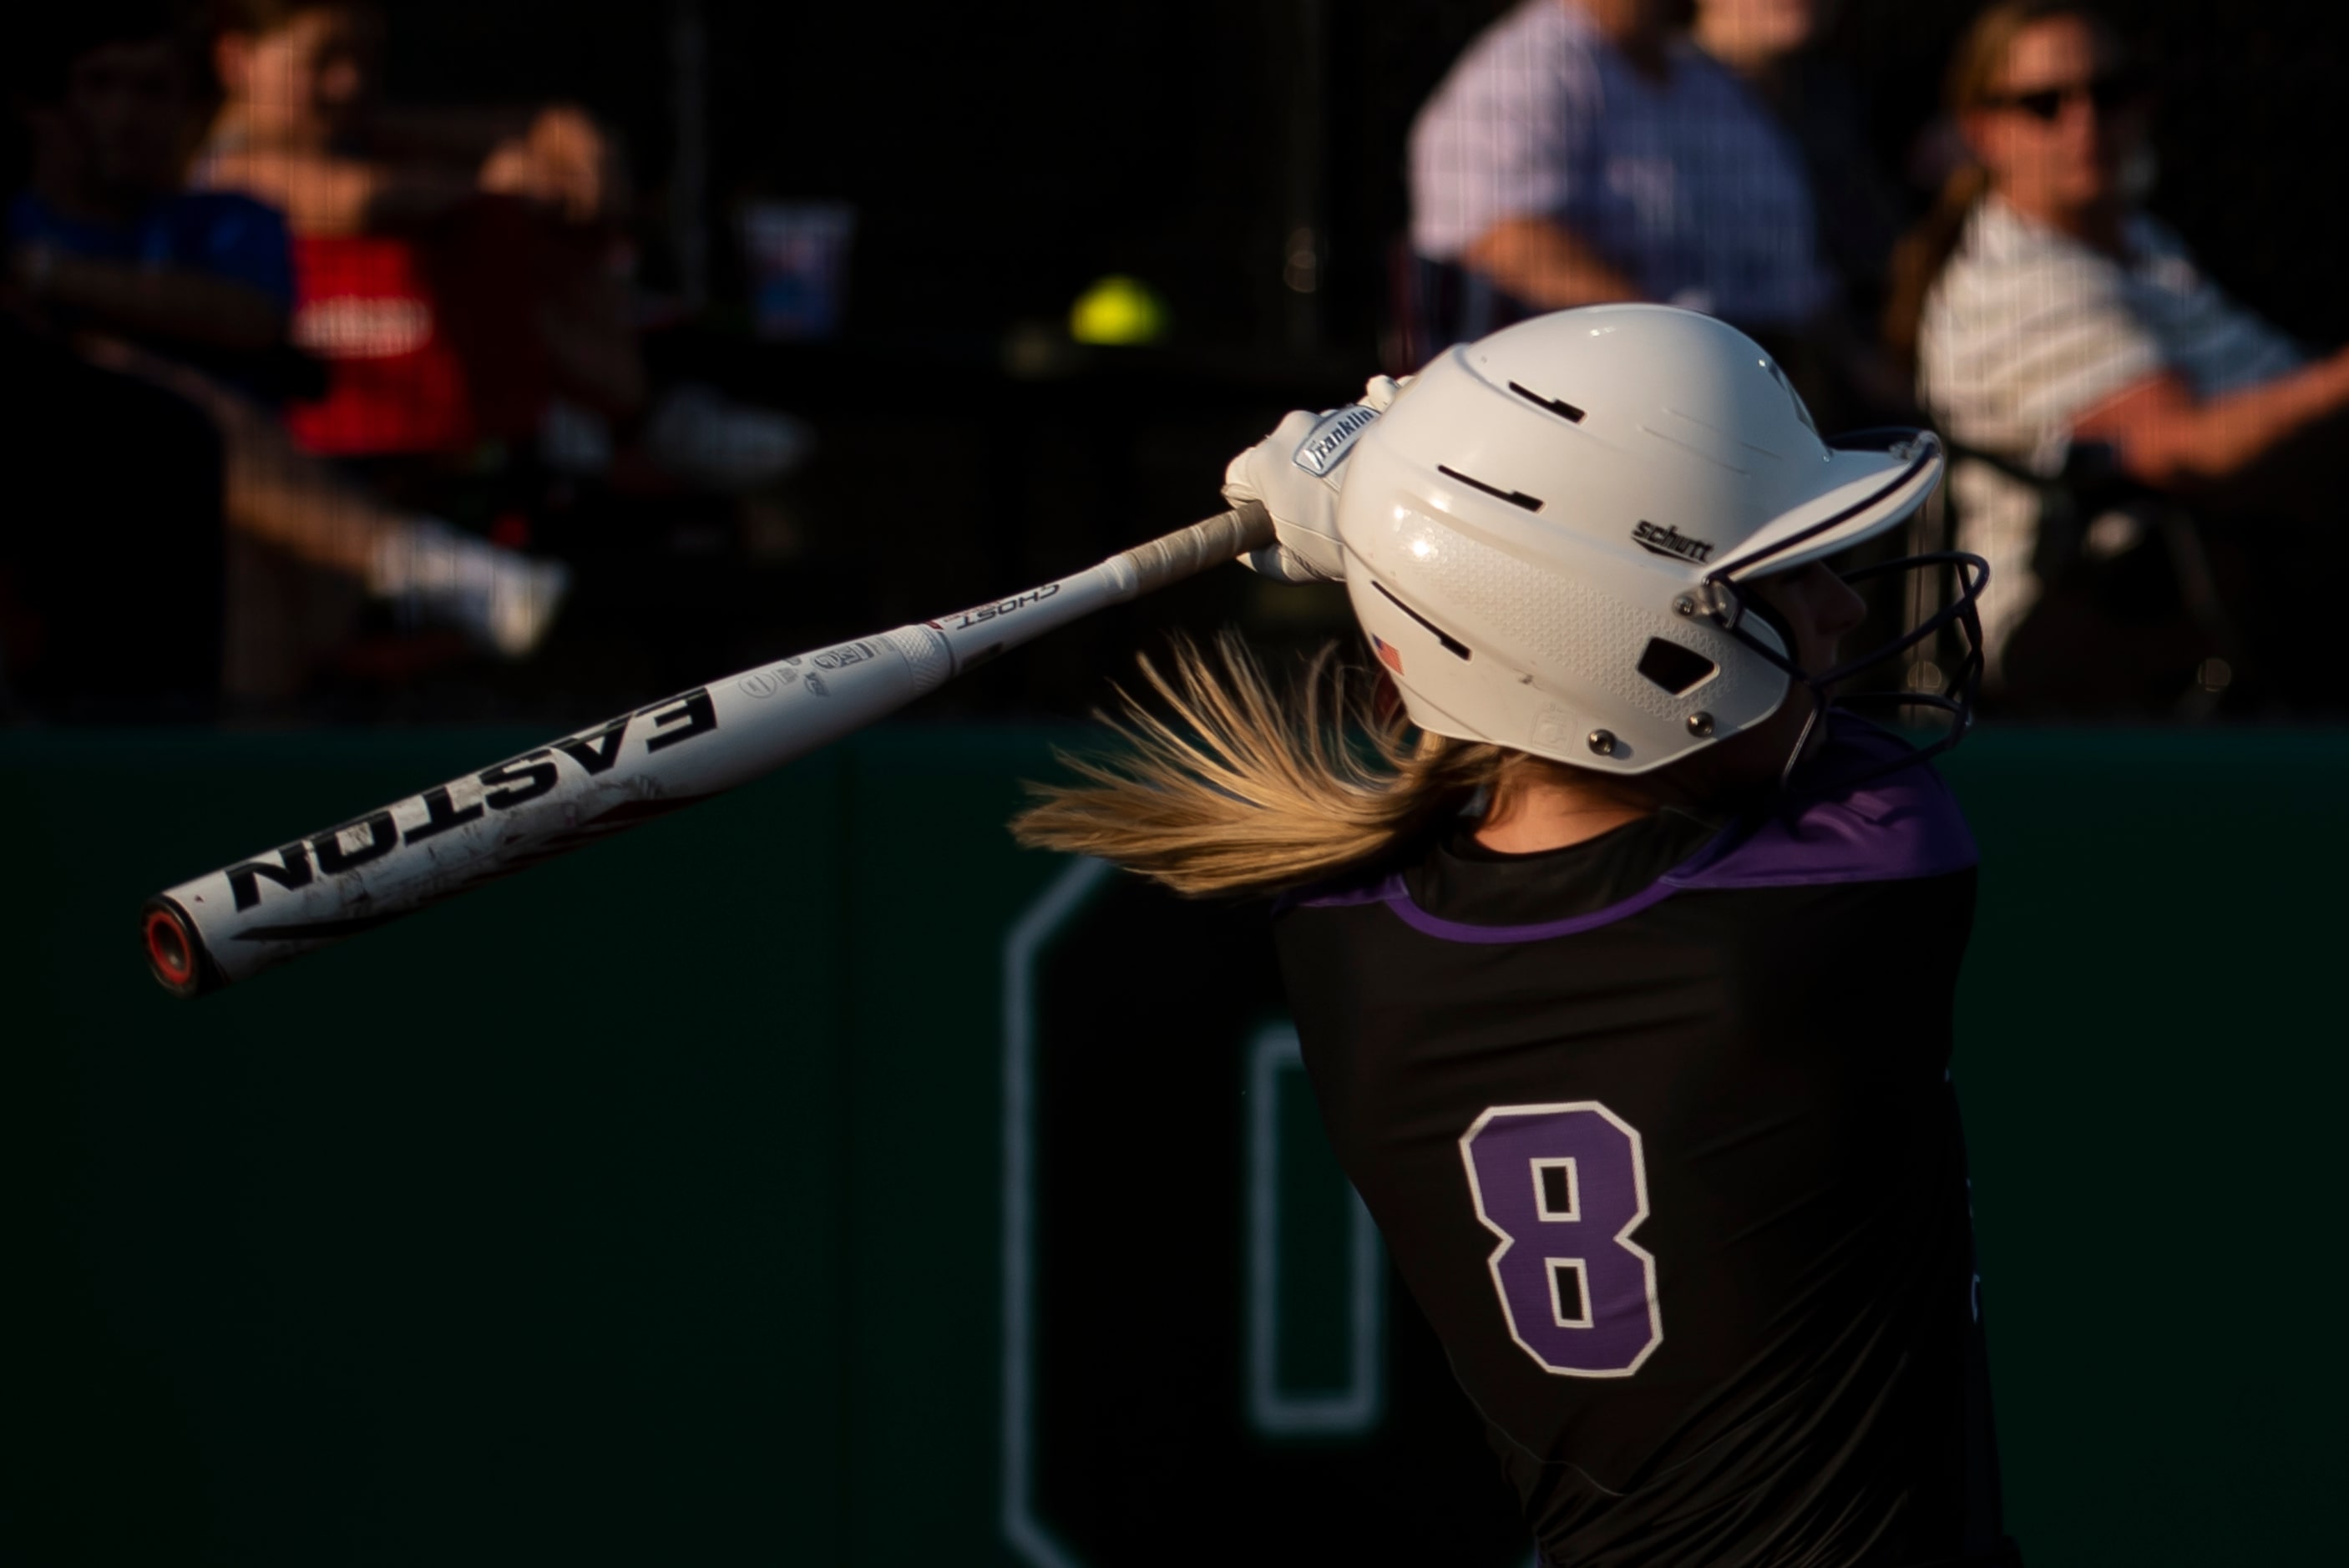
(1623, 963)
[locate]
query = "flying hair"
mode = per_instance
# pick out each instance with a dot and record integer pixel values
(1230, 784)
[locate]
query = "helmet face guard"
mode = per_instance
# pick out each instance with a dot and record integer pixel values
(1728, 607)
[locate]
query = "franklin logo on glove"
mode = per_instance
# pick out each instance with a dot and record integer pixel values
(1326, 447)
(1294, 475)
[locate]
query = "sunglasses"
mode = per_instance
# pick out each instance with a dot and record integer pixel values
(2110, 93)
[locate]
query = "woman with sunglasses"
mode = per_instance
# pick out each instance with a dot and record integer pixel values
(2045, 310)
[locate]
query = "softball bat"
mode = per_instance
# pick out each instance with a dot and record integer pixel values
(233, 923)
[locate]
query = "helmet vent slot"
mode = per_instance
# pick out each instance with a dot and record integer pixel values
(1452, 644)
(1558, 406)
(1673, 667)
(1514, 498)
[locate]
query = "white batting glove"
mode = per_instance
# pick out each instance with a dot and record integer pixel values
(1294, 474)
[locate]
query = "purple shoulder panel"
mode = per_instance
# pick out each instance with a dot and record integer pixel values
(1891, 828)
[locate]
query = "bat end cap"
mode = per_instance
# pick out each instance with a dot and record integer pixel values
(175, 950)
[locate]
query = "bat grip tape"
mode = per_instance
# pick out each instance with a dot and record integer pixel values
(1187, 552)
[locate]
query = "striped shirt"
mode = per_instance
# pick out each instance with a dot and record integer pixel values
(2028, 330)
(1687, 184)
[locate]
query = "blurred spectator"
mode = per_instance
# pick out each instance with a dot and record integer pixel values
(110, 602)
(1769, 44)
(187, 292)
(103, 235)
(459, 268)
(110, 543)
(302, 126)
(463, 269)
(2051, 317)
(1588, 150)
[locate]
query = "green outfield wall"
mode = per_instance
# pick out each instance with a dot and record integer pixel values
(815, 1178)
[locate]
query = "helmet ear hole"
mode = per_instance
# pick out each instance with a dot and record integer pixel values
(1673, 667)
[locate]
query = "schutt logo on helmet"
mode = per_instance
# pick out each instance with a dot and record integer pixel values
(1669, 541)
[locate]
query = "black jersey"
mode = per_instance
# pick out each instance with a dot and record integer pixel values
(1659, 1132)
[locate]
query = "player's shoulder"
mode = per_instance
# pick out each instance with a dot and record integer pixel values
(1699, 79)
(2012, 268)
(1526, 48)
(1536, 25)
(1867, 809)
(211, 212)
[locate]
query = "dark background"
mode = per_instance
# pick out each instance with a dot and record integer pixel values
(1002, 158)
(572, 1222)
(648, 1208)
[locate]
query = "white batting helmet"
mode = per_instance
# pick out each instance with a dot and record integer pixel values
(1545, 534)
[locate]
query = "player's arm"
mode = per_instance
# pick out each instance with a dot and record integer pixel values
(174, 302)
(445, 132)
(2165, 436)
(1543, 263)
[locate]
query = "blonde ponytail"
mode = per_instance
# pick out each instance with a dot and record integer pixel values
(1240, 787)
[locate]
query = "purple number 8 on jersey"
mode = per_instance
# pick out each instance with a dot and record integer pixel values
(1564, 1186)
